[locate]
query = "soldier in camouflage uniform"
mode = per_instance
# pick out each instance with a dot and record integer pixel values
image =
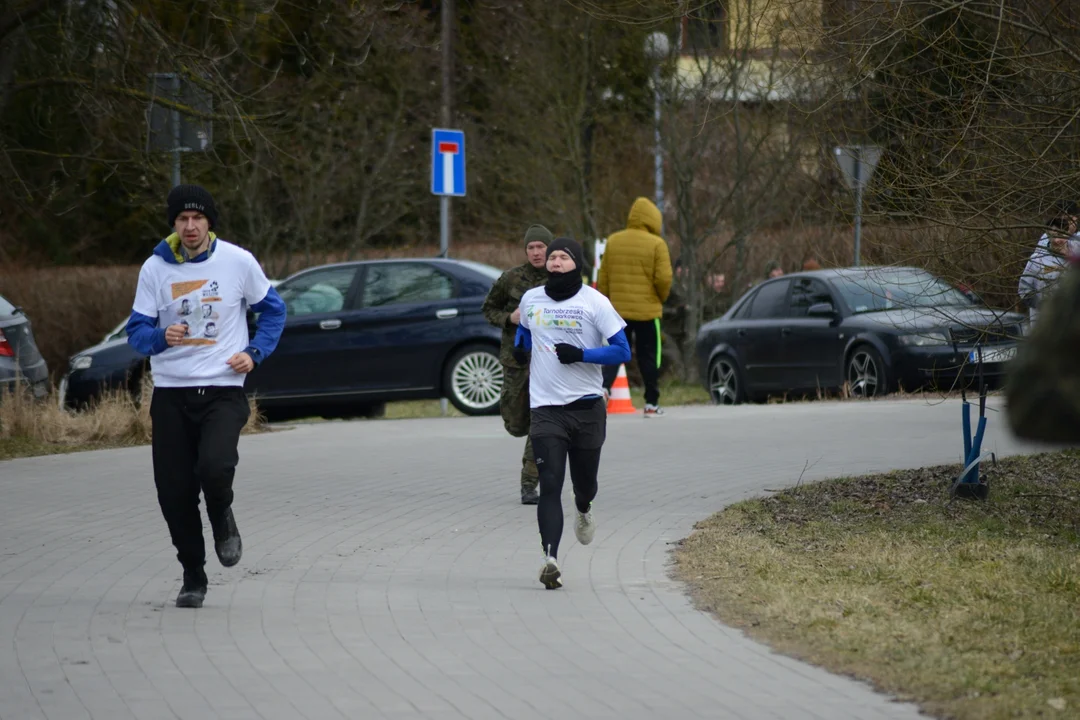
(501, 310)
(1043, 387)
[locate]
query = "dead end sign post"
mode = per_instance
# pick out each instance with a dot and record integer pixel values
(857, 163)
(171, 130)
(447, 177)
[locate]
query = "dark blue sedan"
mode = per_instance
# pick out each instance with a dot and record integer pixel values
(356, 335)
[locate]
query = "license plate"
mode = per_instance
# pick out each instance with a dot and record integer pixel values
(993, 355)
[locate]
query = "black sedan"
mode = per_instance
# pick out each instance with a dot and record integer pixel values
(356, 335)
(20, 360)
(871, 330)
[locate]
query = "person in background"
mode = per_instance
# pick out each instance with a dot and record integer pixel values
(501, 310)
(636, 276)
(1050, 257)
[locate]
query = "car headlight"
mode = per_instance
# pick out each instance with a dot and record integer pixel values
(928, 338)
(82, 362)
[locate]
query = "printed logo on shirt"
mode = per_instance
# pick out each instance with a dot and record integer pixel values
(567, 318)
(196, 313)
(180, 289)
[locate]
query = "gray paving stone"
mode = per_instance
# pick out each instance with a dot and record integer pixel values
(389, 571)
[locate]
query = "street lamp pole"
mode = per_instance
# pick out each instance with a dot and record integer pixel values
(657, 47)
(659, 152)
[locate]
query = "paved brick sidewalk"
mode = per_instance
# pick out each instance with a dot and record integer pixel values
(390, 571)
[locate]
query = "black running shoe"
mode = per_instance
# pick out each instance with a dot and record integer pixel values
(193, 592)
(227, 540)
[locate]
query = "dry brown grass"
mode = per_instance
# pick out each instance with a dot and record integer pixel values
(969, 608)
(33, 427)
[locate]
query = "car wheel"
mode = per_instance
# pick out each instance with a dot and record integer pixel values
(725, 382)
(473, 380)
(866, 373)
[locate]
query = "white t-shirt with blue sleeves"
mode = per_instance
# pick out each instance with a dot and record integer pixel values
(586, 320)
(210, 298)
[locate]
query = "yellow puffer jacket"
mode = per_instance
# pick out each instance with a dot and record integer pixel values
(635, 269)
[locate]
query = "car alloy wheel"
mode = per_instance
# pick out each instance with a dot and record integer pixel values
(864, 375)
(724, 382)
(477, 379)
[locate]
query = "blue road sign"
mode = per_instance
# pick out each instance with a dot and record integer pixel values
(448, 162)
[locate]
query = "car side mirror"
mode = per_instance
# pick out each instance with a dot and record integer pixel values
(821, 310)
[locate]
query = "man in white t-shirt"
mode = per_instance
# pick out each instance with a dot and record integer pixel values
(190, 317)
(564, 325)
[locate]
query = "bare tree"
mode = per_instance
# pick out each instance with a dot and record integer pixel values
(741, 97)
(976, 105)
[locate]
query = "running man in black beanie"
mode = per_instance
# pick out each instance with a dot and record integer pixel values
(199, 366)
(564, 325)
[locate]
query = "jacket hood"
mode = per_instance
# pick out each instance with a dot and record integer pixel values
(644, 215)
(171, 251)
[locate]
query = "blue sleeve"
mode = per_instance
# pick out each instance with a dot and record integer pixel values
(615, 353)
(271, 311)
(523, 338)
(144, 335)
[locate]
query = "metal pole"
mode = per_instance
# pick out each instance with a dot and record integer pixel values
(446, 18)
(444, 225)
(447, 28)
(858, 202)
(659, 149)
(176, 130)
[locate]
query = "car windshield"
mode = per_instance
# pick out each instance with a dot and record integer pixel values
(877, 290)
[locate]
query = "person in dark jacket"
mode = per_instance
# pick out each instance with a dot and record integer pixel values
(501, 310)
(198, 366)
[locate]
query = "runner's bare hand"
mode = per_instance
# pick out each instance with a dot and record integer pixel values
(174, 334)
(515, 317)
(241, 362)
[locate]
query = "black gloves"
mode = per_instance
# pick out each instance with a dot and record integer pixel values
(521, 355)
(569, 353)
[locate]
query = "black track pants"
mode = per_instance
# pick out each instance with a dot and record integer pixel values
(644, 338)
(195, 437)
(575, 432)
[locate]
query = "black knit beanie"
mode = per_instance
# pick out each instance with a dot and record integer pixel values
(191, 197)
(570, 247)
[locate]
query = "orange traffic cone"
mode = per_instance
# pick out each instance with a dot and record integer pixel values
(620, 402)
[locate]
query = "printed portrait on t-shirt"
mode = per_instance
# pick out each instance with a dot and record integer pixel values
(193, 306)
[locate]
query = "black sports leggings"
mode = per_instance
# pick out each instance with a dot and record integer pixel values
(575, 432)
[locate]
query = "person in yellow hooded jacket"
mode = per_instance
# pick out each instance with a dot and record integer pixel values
(635, 274)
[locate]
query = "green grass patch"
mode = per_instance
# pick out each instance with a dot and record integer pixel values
(971, 609)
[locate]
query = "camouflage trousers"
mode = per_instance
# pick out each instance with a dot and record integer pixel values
(514, 406)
